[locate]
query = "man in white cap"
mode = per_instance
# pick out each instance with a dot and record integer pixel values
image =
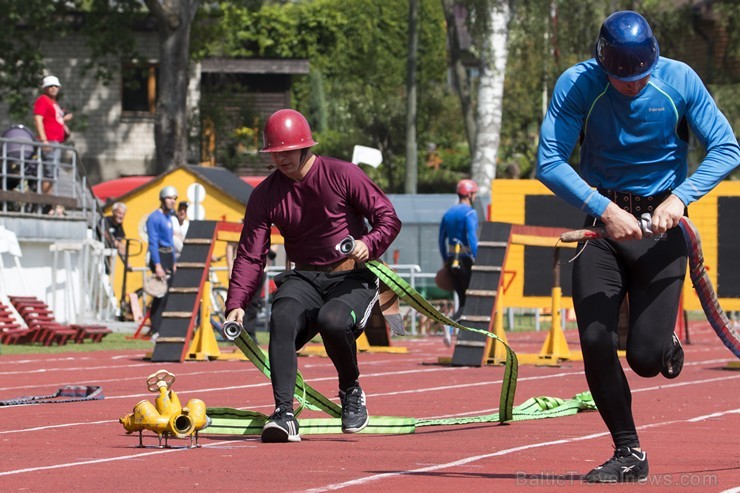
(51, 125)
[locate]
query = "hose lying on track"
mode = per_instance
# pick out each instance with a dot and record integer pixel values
(68, 393)
(244, 422)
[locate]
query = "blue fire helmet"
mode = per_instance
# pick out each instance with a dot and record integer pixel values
(626, 49)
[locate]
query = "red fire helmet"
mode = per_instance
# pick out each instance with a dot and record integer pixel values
(465, 188)
(286, 130)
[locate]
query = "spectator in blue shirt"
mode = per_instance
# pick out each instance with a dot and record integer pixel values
(161, 250)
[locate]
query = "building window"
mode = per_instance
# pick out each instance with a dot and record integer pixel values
(139, 93)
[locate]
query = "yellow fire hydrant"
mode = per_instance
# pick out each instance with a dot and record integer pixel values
(166, 417)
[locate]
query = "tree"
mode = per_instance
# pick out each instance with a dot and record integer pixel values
(174, 20)
(488, 23)
(30, 24)
(360, 49)
(411, 144)
(460, 77)
(21, 62)
(491, 94)
(109, 26)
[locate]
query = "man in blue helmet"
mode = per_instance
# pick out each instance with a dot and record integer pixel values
(631, 111)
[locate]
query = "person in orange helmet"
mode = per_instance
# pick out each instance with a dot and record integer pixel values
(458, 244)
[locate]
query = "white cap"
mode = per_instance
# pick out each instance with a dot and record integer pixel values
(49, 81)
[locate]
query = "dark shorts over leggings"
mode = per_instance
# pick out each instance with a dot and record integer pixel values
(336, 305)
(650, 273)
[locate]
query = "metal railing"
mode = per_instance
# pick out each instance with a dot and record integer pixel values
(35, 177)
(49, 179)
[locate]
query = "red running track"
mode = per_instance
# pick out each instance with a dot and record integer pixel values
(688, 427)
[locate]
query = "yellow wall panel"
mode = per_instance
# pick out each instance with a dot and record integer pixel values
(508, 205)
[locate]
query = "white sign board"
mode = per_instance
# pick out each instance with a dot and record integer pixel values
(367, 155)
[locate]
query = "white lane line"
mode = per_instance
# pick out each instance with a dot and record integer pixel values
(375, 477)
(37, 360)
(250, 368)
(114, 459)
(79, 368)
(683, 384)
(47, 385)
(468, 460)
(385, 394)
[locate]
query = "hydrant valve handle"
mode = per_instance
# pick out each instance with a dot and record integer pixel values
(159, 379)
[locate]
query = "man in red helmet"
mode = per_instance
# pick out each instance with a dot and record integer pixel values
(315, 202)
(458, 244)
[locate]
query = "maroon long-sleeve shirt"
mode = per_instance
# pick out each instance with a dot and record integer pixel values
(313, 215)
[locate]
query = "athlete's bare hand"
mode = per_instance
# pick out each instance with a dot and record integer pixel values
(620, 224)
(236, 315)
(360, 252)
(667, 215)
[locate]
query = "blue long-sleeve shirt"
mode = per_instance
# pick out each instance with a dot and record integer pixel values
(159, 232)
(632, 144)
(459, 225)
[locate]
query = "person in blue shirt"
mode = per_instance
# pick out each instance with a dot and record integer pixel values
(630, 110)
(161, 250)
(458, 244)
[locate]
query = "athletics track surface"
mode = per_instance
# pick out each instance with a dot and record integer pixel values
(688, 427)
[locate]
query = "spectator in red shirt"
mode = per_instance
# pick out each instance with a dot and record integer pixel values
(51, 127)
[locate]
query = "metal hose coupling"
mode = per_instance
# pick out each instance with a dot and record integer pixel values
(646, 224)
(231, 330)
(346, 246)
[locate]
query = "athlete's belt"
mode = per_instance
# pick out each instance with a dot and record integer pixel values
(635, 204)
(345, 264)
(463, 249)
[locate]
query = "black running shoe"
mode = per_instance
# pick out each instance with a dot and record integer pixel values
(281, 427)
(627, 465)
(354, 412)
(674, 363)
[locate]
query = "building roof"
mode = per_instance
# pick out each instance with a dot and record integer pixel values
(111, 190)
(224, 180)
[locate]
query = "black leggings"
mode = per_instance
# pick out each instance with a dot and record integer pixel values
(291, 328)
(460, 281)
(651, 274)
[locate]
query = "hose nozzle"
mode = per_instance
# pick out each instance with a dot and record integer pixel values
(346, 245)
(231, 330)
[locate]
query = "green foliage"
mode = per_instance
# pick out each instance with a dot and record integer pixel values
(28, 24)
(227, 113)
(111, 28)
(357, 53)
(540, 50)
(21, 62)
(317, 115)
(358, 47)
